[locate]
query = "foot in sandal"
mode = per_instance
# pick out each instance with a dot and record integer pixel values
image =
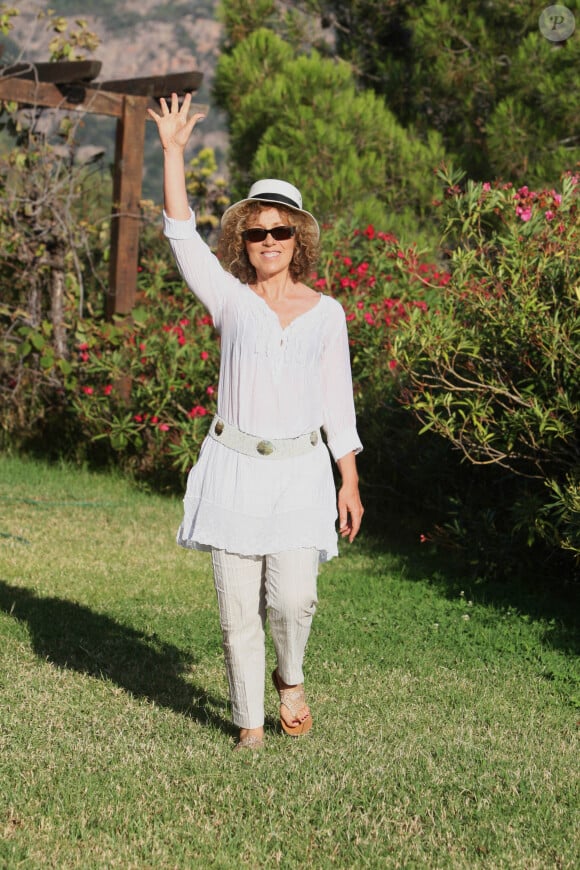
(250, 738)
(295, 716)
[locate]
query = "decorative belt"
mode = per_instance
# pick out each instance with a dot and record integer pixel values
(251, 445)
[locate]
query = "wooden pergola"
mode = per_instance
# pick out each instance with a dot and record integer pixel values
(70, 86)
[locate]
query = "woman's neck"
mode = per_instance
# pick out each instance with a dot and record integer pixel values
(274, 287)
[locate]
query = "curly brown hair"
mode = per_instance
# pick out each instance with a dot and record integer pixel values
(231, 248)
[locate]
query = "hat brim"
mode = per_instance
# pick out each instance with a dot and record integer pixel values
(279, 202)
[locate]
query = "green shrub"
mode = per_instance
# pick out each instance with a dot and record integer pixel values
(494, 367)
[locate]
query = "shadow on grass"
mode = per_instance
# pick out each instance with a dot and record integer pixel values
(73, 636)
(536, 589)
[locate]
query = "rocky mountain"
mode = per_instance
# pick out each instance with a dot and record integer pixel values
(137, 38)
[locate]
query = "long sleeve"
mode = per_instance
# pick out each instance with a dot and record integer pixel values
(200, 269)
(339, 419)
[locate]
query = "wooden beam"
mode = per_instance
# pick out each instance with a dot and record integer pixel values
(70, 98)
(126, 216)
(156, 86)
(55, 72)
(73, 97)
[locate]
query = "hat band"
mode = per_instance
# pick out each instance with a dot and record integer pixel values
(277, 197)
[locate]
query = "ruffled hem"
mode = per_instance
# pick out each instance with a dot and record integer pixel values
(206, 526)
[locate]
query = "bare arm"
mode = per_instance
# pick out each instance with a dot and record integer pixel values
(350, 509)
(174, 130)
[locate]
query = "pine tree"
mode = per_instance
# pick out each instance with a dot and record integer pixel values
(503, 97)
(301, 117)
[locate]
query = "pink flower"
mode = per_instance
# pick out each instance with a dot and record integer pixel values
(370, 232)
(138, 418)
(549, 215)
(197, 411)
(360, 305)
(108, 389)
(393, 364)
(210, 390)
(486, 186)
(524, 213)
(88, 391)
(154, 421)
(164, 427)
(204, 355)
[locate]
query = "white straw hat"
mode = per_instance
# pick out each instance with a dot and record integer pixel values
(275, 192)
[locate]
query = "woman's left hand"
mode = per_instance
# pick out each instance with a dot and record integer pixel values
(350, 511)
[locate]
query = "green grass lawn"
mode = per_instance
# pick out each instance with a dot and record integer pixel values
(446, 715)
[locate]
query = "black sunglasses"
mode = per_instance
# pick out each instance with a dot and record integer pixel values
(258, 234)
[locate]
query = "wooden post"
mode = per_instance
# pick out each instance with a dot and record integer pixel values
(68, 86)
(126, 216)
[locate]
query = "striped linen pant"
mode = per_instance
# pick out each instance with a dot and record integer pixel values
(281, 587)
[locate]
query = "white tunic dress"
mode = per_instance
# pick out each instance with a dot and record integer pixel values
(273, 383)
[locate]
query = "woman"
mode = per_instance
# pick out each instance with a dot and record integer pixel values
(261, 497)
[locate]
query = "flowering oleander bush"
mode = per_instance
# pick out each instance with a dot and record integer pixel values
(493, 368)
(379, 283)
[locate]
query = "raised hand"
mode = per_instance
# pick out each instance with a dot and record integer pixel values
(173, 125)
(174, 129)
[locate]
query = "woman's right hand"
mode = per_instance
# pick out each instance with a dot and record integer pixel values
(173, 125)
